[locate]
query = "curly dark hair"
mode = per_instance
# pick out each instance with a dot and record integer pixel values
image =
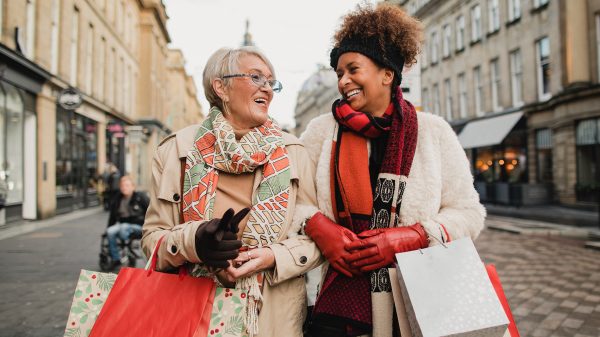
(389, 23)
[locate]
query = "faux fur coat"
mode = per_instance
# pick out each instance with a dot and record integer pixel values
(439, 189)
(440, 184)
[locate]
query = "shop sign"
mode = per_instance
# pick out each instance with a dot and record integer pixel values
(70, 99)
(115, 128)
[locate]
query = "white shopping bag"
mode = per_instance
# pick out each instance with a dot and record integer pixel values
(447, 292)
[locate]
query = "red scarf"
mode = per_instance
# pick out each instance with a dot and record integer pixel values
(356, 207)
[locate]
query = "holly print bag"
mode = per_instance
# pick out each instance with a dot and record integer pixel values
(229, 310)
(90, 294)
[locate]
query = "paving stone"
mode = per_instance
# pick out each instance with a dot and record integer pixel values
(584, 309)
(572, 323)
(569, 304)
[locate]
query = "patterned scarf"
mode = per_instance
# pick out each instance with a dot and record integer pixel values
(216, 149)
(360, 302)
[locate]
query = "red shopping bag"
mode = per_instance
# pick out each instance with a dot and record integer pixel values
(153, 304)
(493, 274)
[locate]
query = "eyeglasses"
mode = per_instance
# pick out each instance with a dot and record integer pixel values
(260, 80)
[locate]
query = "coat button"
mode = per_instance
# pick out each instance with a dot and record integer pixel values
(176, 197)
(303, 259)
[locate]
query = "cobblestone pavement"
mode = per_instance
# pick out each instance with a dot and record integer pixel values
(552, 283)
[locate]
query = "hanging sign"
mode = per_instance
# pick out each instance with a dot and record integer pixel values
(70, 99)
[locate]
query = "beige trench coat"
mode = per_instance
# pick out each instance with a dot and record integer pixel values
(284, 293)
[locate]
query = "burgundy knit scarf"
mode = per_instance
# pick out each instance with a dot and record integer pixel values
(349, 300)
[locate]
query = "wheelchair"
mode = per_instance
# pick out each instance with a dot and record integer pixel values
(130, 251)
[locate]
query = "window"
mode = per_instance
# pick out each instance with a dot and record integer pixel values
(1, 14)
(54, 36)
(89, 59)
(539, 3)
(447, 42)
(424, 59)
(494, 13)
(514, 10)
(496, 85)
(436, 100)
(588, 158)
(426, 100)
(110, 78)
(30, 46)
(434, 47)
(597, 44)
(478, 91)
(543, 146)
(543, 68)
(460, 33)
(475, 23)
(12, 115)
(462, 96)
(101, 69)
(516, 78)
(74, 45)
(448, 94)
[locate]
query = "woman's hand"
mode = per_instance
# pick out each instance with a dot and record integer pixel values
(251, 262)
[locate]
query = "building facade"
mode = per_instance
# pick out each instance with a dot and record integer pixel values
(519, 82)
(115, 55)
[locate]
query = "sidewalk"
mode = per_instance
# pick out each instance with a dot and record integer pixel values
(546, 221)
(26, 226)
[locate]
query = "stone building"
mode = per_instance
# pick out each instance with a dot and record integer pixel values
(519, 82)
(115, 55)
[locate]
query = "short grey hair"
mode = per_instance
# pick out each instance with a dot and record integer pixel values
(225, 61)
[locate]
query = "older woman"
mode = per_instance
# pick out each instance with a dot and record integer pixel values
(389, 179)
(238, 159)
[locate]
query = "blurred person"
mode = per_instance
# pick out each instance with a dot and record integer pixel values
(388, 179)
(237, 181)
(111, 178)
(127, 212)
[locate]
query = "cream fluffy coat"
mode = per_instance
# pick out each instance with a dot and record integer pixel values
(440, 184)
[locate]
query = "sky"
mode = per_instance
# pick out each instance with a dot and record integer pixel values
(295, 35)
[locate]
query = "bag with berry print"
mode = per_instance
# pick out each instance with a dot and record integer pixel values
(228, 313)
(90, 294)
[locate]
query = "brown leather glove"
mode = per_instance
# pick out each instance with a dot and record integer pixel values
(216, 240)
(331, 239)
(376, 248)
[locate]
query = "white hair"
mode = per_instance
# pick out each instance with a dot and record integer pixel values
(225, 61)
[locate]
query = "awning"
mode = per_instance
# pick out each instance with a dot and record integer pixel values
(488, 131)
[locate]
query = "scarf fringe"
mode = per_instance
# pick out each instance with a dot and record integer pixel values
(254, 299)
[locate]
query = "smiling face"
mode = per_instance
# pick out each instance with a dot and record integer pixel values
(365, 85)
(247, 103)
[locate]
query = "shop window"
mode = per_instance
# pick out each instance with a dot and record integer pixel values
(12, 134)
(543, 145)
(588, 156)
(76, 156)
(503, 163)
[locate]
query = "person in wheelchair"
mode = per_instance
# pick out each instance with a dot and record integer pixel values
(127, 213)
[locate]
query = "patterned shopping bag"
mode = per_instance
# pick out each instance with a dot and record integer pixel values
(229, 310)
(90, 294)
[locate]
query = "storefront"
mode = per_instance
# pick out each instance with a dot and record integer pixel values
(115, 144)
(499, 156)
(20, 82)
(587, 142)
(76, 161)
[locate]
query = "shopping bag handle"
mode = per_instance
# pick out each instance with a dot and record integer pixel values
(154, 260)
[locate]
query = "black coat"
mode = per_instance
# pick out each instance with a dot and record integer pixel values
(137, 209)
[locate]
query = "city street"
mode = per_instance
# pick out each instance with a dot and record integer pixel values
(553, 284)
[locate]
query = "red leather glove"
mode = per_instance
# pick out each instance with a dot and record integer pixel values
(377, 247)
(331, 239)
